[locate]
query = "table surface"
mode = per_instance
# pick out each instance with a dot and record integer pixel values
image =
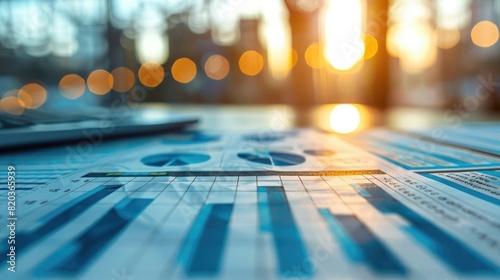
(278, 117)
(243, 205)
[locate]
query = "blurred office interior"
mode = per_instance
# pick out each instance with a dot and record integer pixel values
(441, 54)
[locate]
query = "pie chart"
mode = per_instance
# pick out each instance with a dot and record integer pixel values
(319, 152)
(189, 137)
(273, 158)
(174, 159)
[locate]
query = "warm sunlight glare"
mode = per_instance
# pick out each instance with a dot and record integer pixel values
(152, 46)
(415, 44)
(278, 38)
(345, 118)
(344, 44)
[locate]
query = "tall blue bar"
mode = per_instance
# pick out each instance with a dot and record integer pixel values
(361, 245)
(61, 217)
(204, 248)
(446, 247)
(274, 209)
(73, 257)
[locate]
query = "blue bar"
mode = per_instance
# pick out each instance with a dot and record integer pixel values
(17, 189)
(361, 245)
(264, 214)
(76, 255)
(361, 191)
(352, 250)
(202, 256)
(450, 250)
(61, 217)
(292, 255)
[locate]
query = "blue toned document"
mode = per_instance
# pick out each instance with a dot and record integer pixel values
(298, 204)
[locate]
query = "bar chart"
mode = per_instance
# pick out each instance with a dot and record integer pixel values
(279, 225)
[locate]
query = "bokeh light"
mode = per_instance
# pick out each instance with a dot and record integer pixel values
(294, 58)
(394, 39)
(183, 70)
(484, 34)
(151, 74)
(276, 35)
(32, 95)
(217, 67)
(344, 45)
(371, 46)
(307, 6)
(72, 86)
(123, 79)
(414, 44)
(152, 46)
(345, 118)
(100, 82)
(251, 63)
(12, 105)
(313, 56)
(448, 38)
(412, 36)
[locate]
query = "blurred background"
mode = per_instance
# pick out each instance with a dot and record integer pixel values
(441, 54)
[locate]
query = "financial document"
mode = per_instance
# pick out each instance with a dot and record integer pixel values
(297, 204)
